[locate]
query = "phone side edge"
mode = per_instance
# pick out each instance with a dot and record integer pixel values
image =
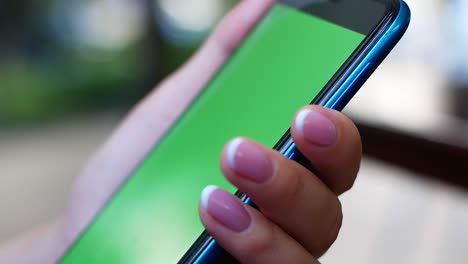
(371, 60)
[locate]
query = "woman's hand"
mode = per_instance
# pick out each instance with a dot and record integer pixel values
(301, 212)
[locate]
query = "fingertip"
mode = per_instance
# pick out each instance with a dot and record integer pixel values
(229, 212)
(331, 141)
(316, 126)
(206, 194)
(300, 119)
(231, 151)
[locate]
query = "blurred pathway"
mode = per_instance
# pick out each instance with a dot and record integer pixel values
(38, 165)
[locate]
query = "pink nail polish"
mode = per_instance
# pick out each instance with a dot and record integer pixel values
(225, 208)
(316, 128)
(250, 161)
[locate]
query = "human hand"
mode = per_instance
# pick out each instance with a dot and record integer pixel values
(301, 212)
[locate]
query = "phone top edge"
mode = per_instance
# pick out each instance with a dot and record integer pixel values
(346, 71)
(358, 16)
(205, 249)
(370, 61)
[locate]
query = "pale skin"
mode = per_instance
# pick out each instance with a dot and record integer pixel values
(300, 213)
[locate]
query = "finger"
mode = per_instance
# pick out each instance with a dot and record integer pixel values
(245, 233)
(287, 193)
(153, 117)
(332, 143)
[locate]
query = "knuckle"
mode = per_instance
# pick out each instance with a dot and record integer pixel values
(332, 234)
(351, 132)
(261, 243)
(353, 156)
(349, 183)
(294, 185)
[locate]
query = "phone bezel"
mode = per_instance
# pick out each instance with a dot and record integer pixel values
(357, 15)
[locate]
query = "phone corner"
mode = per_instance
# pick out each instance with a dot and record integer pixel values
(403, 18)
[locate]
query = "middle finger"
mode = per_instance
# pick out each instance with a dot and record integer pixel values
(286, 193)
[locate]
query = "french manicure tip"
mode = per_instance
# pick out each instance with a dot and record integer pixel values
(206, 193)
(232, 150)
(300, 120)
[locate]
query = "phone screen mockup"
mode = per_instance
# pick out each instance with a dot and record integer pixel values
(283, 64)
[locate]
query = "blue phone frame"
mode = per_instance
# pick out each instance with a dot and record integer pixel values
(339, 95)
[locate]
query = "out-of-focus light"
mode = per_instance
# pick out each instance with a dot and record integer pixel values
(197, 15)
(110, 23)
(185, 21)
(456, 39)
(103, 24)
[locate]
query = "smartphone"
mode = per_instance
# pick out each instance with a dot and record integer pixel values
(301, 52)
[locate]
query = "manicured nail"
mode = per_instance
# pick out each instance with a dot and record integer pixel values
(316, 128)
(225, 208)
(249, 161)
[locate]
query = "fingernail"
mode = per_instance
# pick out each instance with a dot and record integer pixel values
(316, 128)
(225, 208)
(249, 161)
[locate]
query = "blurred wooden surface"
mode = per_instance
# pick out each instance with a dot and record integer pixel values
(435, 157)
(404, 113)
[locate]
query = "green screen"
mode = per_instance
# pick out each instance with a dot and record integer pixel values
(282, 65)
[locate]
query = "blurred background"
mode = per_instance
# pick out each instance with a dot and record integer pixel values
(68, 74)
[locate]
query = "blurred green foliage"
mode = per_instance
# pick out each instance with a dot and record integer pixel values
(43, 77)
(66, 81)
